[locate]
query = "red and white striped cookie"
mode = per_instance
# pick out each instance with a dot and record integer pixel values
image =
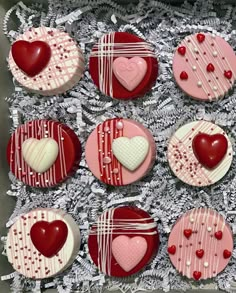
(200, 153)
(120, 151)
(204, 66)
(43, 153)
(46, 61)
(123, 66)
(43, 243)
(200, 244)
(123, 241)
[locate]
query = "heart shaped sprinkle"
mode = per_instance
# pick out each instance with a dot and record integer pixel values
(210, 67)
(183, 75)
(218, 235)
(172, 249)
(200, 253)
(200, 38)
(228, 74)
(227, 253)
(182, 50)
(188, 233)
(197, 275)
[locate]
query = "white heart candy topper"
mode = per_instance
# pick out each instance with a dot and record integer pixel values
(41, 154)
(130, 152)
(129, 72)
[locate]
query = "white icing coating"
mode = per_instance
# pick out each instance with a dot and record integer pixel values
(41, 154)
(130, 152)
(26, 259)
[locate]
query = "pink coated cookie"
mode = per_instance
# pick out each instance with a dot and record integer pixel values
(200, 244)
(46, 61)
(204, 66)
(195, 153)
(120, 151)
(43, 243)
(123, 241)
(43, 153)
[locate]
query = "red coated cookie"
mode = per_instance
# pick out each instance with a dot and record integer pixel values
(43, 243)
(123, 66)
(120, 151)
(204, 66)
(46, 61)
(200, 153)
(43, 153)
(200, 244)
(123, 241)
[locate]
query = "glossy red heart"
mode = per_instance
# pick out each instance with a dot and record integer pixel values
(227, 253)
(210, 67)
(228, 74)
(197, 275)
(188, 233)
(182, 50)
(49, 238)
(184, 75)
(200, 38)
(218, 235)
(172, 249)
(200, 253)
(31, 58)
(209, 149)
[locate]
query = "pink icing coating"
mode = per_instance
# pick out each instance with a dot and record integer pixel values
(204, 223)
(121, 175)
(129, 72)
(64, 69)
(202, 84)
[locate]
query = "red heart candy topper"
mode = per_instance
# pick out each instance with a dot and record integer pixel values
(49, 238)
(31, 57)
(210, 149)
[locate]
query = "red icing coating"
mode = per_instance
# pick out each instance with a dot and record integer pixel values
(228, 74)
(49, 238)
(100, 243)
(197, 275)
(184, 75)
(200, 253)
(188, 233)
(111, 86)
(67, 160)
(210, 149)
(210, 67)
(200, 38)
(218, 235)
(31, 58)
(182, 50)
(172, 249)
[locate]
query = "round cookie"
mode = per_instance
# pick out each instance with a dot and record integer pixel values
(43, 243)
(43, 153)
(123, 66)
(200, 244)
(204, 66)
(123, 241)
(200, 153)
(120, 151)
(46, 61)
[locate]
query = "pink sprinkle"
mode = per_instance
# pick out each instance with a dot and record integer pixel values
(116, 171)
(119, 125)
(106, 129)
(107, 160)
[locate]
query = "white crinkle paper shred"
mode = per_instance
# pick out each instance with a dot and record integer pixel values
(162, 110)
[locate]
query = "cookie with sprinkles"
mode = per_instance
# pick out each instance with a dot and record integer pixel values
(204, 66)
(123, 66)
(200, 244)
(43, 153)
(200, 153)
(123, 241)
(120, 151)
(46, 61)
(43, 243)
